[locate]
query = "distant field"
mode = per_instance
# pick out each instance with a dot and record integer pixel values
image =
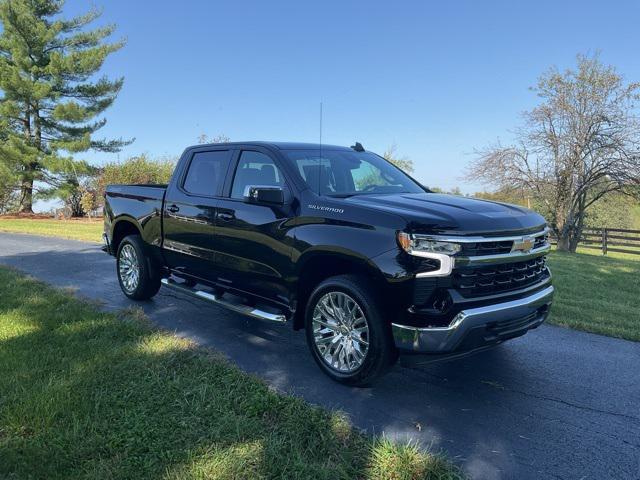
(83, 229)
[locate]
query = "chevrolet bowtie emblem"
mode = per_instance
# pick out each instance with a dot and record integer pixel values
(524, 244)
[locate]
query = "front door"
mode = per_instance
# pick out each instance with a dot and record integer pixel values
(254, 247)
(190, 213)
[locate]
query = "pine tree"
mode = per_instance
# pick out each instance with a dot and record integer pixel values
(50, 101)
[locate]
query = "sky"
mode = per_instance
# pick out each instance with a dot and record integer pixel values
(438, 79)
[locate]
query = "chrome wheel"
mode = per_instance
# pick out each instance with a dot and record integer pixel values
(340, 332)
(129, 268)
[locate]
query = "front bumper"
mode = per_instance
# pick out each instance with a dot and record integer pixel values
(477, 328)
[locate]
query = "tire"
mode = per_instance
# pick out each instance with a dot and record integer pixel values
(139, 279)
(343, 363)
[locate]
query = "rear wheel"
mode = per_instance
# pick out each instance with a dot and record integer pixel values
(138, 278)
(346, 331)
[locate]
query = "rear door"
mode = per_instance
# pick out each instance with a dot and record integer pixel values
(190, 210)
(254, 246)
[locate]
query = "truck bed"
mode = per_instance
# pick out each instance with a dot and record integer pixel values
(147, 193)
(136, 188)
(141, 202)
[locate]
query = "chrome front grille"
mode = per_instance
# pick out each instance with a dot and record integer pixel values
(478, 247)
(491, 279)
(486, 248)
(541, 241)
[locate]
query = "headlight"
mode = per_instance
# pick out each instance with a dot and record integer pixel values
(426, 247)
(420, 245)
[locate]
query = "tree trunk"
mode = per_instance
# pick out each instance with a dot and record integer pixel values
(576, 231)
(561, 230)
(569, 224)
(573, 243)
(74, 202)
(26, 185)
(570, 232)
(564, 244)
(26, 193)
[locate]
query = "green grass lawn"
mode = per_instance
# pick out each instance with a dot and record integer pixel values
(596, 293)
(88, 394)
(89, 231)
(635, 215)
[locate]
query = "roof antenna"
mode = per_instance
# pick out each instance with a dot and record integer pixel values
(320, 123)
(358, 147)
(320, 157)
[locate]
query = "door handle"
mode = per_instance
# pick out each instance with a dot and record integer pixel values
(225, 217)
(173, 208)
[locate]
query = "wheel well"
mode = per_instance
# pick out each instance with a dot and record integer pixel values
(319, 269)
(121, 230)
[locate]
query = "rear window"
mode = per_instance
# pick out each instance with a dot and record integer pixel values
(206, 173)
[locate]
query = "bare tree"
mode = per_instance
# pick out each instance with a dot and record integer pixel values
(220, 138)
(579, 144)
(403, 163)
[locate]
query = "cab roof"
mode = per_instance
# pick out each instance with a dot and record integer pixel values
(280, 145)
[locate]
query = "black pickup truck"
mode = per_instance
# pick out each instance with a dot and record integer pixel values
(339, 242)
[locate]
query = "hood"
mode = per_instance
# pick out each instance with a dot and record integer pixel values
(438, 213)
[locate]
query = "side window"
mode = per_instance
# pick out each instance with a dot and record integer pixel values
(255, 168)
(206, 172)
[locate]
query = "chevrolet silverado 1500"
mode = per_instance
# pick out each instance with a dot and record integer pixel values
(336, 241)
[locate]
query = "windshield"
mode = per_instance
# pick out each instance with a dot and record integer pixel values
(341, 173)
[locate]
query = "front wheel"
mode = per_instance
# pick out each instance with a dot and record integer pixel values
(138, 278)
(346, 331)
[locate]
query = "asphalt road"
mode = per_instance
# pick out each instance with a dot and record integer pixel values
(554, 404)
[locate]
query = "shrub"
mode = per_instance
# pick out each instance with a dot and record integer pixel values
(140, 169)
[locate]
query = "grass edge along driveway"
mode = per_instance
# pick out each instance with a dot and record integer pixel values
(83, 230)
(84, 393)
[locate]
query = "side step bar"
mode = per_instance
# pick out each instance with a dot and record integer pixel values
(217, 300)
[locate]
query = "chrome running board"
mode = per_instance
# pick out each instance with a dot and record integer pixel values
(218, 300)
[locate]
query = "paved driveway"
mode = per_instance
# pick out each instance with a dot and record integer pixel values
(553, 404)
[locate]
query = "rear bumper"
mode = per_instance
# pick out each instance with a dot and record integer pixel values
(477, 328)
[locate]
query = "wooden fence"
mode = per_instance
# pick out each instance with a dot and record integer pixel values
(609, 240)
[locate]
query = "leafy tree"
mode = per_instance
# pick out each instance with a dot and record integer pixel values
(612, 211)
(513, 196)
(8, 179)
(140, 169)
(403, 163)
(8, 182)
(454, 191)
(89, 200)
(50, 102)
(71, 189)
(581, 143)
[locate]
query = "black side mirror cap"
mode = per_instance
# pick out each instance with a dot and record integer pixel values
(263, 194)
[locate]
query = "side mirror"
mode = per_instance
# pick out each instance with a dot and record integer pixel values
(260, 194)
